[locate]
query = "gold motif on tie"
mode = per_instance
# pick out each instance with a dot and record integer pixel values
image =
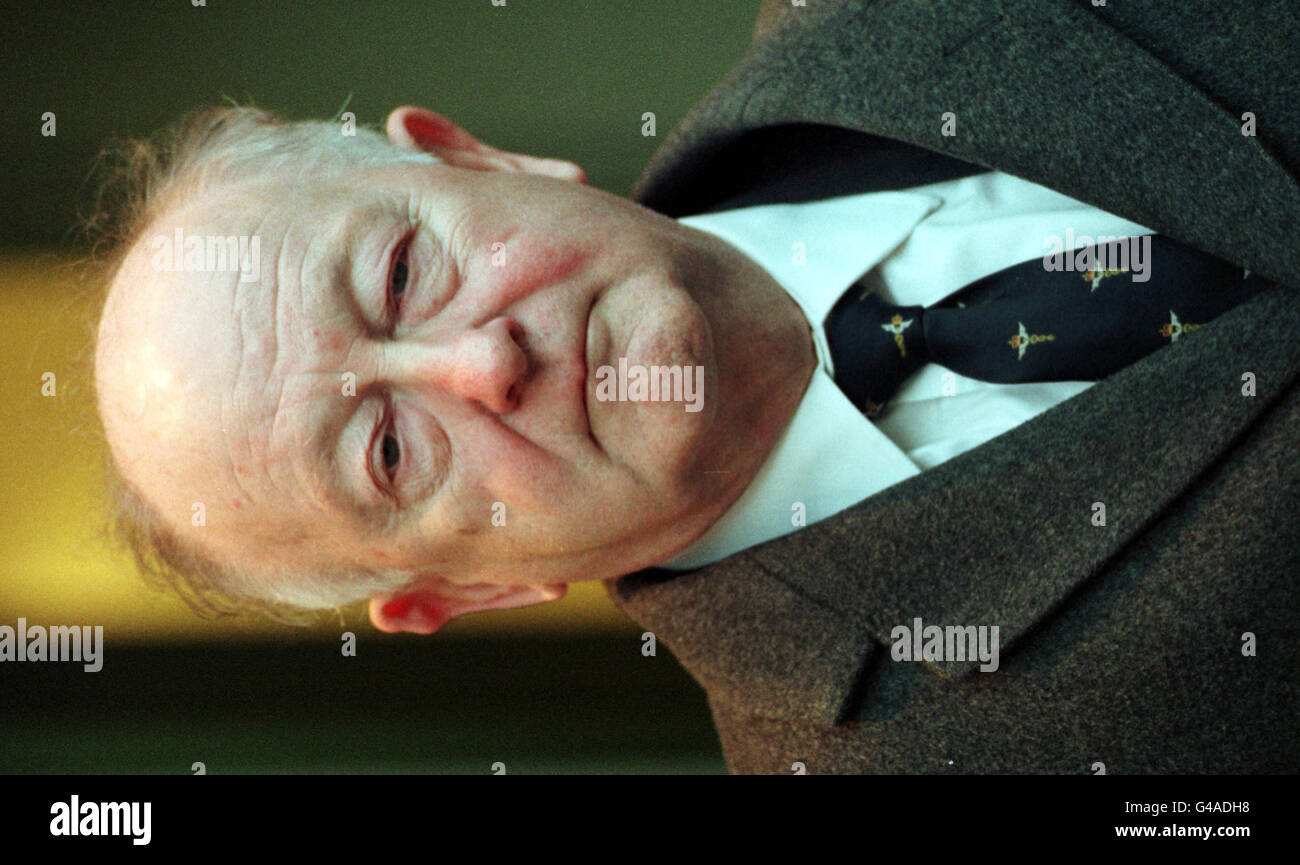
(896, 326)
(1023, 340)
(1096, 276)
(1174, 327)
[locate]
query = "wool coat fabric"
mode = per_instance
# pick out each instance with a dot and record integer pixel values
(1136, 545)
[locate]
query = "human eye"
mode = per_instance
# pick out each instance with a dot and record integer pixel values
(398, 276)
(386, 456)
(392, 455)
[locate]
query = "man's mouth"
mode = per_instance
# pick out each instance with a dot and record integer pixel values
(585, 348)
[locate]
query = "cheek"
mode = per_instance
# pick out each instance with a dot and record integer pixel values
(333, 341)
(493, 462)
(532, 495)
(524, 264)
(524, 476)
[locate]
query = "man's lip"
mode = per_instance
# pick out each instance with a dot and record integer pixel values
(586, 371)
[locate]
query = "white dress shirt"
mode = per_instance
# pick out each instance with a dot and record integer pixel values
(915, 247)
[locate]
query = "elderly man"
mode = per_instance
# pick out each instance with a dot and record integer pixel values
(992, 313)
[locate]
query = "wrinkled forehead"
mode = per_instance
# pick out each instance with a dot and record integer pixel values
(191, 335)
(211, 283)
(174, 320)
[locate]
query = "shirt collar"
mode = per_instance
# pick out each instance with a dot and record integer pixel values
(799, 484)
(818, 249)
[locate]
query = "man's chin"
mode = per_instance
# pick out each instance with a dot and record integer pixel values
(653, 438)
(651, 392)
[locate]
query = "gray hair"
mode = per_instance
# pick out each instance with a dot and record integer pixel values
(205, 151)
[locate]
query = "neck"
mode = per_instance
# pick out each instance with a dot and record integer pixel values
(765, 357)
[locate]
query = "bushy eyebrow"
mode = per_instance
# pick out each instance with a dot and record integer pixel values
(340, 281)
(339, 271)
(356, 230)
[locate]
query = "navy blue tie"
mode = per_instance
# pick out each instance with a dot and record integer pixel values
(1027, 323)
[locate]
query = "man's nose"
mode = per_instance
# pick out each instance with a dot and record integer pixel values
(485, 364)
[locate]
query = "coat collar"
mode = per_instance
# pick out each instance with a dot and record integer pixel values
(892, 69)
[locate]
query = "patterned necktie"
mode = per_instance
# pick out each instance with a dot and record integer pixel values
(1027, 323)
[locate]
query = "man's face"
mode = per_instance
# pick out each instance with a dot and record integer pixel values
(411, 382)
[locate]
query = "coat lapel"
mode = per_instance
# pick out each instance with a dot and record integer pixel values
(751, 638)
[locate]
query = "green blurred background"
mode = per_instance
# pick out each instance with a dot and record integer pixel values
(558, 688)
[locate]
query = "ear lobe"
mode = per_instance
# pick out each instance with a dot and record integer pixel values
(420, 129)
(427, 609)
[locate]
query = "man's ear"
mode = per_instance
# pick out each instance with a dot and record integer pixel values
(425, 609)
(414, 128)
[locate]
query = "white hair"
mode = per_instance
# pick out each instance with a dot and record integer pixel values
(235, 145)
